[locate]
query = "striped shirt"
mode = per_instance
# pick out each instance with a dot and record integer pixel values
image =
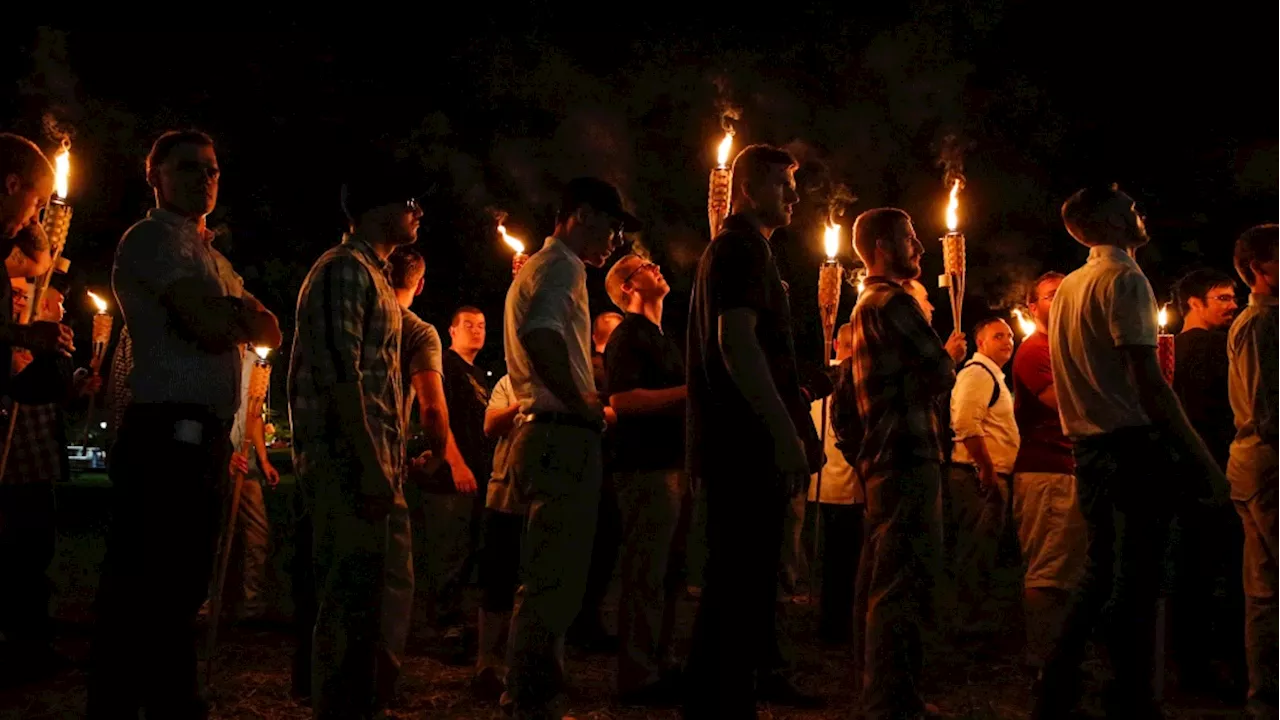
(348, 331)
(170, 368)
(901, 373)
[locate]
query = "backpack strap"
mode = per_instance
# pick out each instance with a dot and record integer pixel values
(995, 383)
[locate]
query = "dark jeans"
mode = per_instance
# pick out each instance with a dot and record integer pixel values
(303, 591)
(500, 560)
(1123, 482)
(1207, 544)
(160, 549)
(604, 558)
(734, 633)
(27, 536)
(841, 545)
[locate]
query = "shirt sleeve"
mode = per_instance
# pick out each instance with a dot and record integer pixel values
(1033, 369)
(624, 361)
(155, 257)
(423, 343)
(551, 304)
(502, 396)
(739, 276)
(969, 400)
(903, 317)
(231, 279)
(338, 299)
(1132, 315)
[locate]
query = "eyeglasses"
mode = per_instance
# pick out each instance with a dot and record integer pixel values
(1223, 298)
(642, 266)
(1047, 296)
(412, 205)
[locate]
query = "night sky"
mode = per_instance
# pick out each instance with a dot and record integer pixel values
(1180, 109)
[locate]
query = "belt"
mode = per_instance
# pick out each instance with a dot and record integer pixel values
(569, 419)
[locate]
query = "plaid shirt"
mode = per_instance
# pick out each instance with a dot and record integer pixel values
(118, 394)
(348, 331)
(38, 446)
(901, 372)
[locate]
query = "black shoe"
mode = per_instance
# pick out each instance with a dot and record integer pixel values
(777, 690)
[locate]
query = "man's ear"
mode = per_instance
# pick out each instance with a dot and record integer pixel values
(12, 184)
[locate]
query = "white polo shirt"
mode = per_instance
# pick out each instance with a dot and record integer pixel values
(840, 485)
(973, 415)
(550, 292)
(1105, 305)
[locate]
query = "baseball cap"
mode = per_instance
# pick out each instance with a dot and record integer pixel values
(376, 181)
(601, 196)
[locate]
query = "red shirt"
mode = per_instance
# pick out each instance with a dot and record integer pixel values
(1044, 448)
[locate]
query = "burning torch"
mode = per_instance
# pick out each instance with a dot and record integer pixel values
(517, 260)
(102, 322)
(1164, 345)
(829, 276)
(1025, 323)
(953, 256)
(721, 184)
(56, 223)
(259, 380)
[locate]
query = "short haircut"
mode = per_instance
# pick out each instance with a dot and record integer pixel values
(407, 266)
(164, 145)
(1197, 284)
(1082, 212)
(1033, 292)
(985, 323)
(464, 310)
(618, 275)
(755, 161)
(873, 226)
(19, 156)
(1256, 244)
(845, 333)
(597, 327)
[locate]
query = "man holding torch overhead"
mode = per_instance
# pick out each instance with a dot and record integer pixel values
(189, 323)
(346, 403)
(1127, 426)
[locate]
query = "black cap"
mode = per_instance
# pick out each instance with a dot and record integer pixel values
(378, 181)
(601, 196)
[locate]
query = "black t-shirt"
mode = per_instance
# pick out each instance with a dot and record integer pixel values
(1200, 380)
(639, 356)
(466, 390)
(723, 432)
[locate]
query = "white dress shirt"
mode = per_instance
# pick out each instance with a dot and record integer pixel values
(973, 415)
(840, 484)
(1100, 308)
(549, 293)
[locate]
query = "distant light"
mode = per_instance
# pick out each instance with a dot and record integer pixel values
(490, 373)
(102, 425)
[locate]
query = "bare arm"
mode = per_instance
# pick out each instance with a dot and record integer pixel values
(648, 402)
(1049, 396)
(550, 358)
(433, 411)
(498, 423)
(1162, 406)
(747, 365)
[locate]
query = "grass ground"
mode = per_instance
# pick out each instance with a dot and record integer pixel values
(252, 671)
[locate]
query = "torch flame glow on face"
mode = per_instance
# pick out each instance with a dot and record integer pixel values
(511, 242)
(953, 208)
(61, 173)
(98, 301)
(262, 351)
(1025, 324)
(722, 154)
(831, 240)
(1162, 317)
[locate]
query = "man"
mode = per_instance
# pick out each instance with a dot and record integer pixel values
(842, 506)
(901, 373)
(986, 445)
(746, 416)
(1206, 538)
(601, 330)
(189, 321)
(1046, 512)
(346, 403)
(555, 455)
(1123, 419)
(1251, 347)
(645, 370)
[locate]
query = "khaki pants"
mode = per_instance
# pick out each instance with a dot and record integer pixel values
(656, 508)
(1258, 515)
(978, 521)
(255, 536)
(558, 468)
(397, 597)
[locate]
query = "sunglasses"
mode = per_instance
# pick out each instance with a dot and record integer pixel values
(412, 205)
(642, 266)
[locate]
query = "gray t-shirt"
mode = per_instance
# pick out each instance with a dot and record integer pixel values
(420, 351)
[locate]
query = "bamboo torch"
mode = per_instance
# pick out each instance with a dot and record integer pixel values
(55, 223)
(259, 380)
(829, 280)
(720, 185)
(102, 323)
(953, 257)
(1165, 346)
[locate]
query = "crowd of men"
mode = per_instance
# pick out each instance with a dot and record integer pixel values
(591, 450)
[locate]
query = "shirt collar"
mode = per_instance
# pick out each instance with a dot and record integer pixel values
(556, 245)
(881, 280)
(1260, 300)
(365, 249)
(178, 222)
(1111, 254)
(991, 364)
(739, 223)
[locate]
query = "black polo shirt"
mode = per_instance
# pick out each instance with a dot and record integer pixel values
(466, 390)
(723, 433)
(640, 357)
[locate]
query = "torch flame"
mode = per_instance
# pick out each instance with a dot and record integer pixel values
(1025, 324)
(1162, 317)
(513, 243)
(61, 172)
(722, 154)
(98, 301)
(831, 240)
(953, 207)
(262, 351)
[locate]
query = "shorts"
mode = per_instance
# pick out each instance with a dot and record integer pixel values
(1051, 529)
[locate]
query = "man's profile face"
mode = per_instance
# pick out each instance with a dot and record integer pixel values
(187, 180)
(468, 332)
(996, 342)
(648, 282)
(398, 221)
(1045, 293)
(1218, 308)
(1124, 217)
(22, 201)
(603, 235)
(903, 251)
(774, 196)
